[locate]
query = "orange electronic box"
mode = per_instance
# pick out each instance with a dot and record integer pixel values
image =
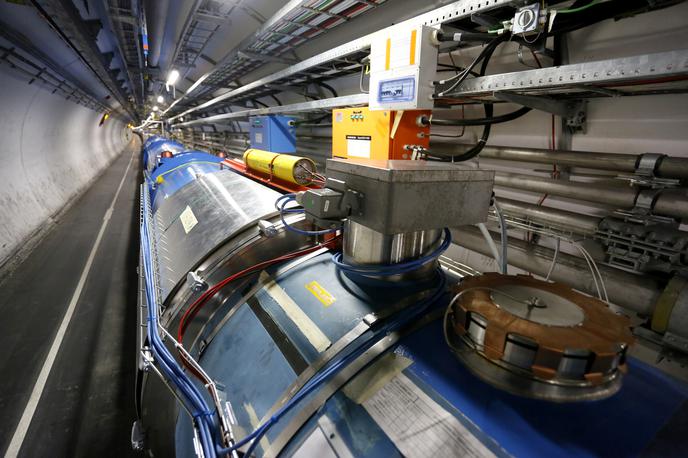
(363, 134)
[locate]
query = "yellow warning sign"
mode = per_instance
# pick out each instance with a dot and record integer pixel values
(320, 293)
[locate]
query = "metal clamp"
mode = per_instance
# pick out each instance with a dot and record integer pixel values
(645, 200)
(267, 228)
(196, 282)
(573, 111)
(648, 163)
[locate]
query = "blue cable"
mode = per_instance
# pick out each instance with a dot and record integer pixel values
(391, 326)
(285, 196)
(170, 367)
(393, 269)
(166, 362)
(284, 200)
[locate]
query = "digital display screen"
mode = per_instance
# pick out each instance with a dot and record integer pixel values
(397, 90)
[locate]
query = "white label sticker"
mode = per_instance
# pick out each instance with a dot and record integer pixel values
(419, 426)
(358, 146)
(188, 219)
(259, 137)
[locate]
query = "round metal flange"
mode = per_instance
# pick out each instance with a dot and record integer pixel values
(536, 305)
(538, 339)
(521, 385)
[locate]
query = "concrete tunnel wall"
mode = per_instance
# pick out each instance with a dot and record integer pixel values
(51, 149)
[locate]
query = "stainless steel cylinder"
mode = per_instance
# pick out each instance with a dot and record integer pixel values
(362, 245)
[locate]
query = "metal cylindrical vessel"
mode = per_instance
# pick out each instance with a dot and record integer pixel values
(538, 339)
(153, 150)
(294, 169)
(272, 332)
(362, 245)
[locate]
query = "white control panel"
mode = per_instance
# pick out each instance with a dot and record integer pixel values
(403, 65)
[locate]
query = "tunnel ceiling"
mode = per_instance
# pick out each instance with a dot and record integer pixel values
(119, 53)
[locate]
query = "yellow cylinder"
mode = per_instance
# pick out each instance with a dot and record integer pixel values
(294, 169)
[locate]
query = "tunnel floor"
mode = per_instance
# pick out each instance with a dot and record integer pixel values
(87, 405)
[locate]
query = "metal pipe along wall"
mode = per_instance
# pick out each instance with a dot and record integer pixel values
(576, 222)
(617, 196)
(633, 292)
(671, 202)
(668, 167)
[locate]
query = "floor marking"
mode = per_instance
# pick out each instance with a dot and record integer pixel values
(37, 392)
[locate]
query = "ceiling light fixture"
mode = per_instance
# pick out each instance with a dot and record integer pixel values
(172, 77)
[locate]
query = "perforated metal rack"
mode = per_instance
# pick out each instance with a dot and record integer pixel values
(35, 70)
(125, 22)
(294, 24)
(65, 18)
(206, 18)
(339, 61)
(632, 75)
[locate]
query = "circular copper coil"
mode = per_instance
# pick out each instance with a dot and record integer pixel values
(538, 339)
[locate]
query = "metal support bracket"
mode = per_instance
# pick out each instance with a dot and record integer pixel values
(645, 200)
(196, 282)
(574, 112)
(648, 163)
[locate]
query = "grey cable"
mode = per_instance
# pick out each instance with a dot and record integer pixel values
(554, 260)
(505, 237)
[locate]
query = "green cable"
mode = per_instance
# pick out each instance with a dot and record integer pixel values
(580, 8)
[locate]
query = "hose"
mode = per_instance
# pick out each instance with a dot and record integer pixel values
(485, 56)
(578, 9)
(491, 245)
(465, 37)
(479, 121)
(554, 260)
(505, 236)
